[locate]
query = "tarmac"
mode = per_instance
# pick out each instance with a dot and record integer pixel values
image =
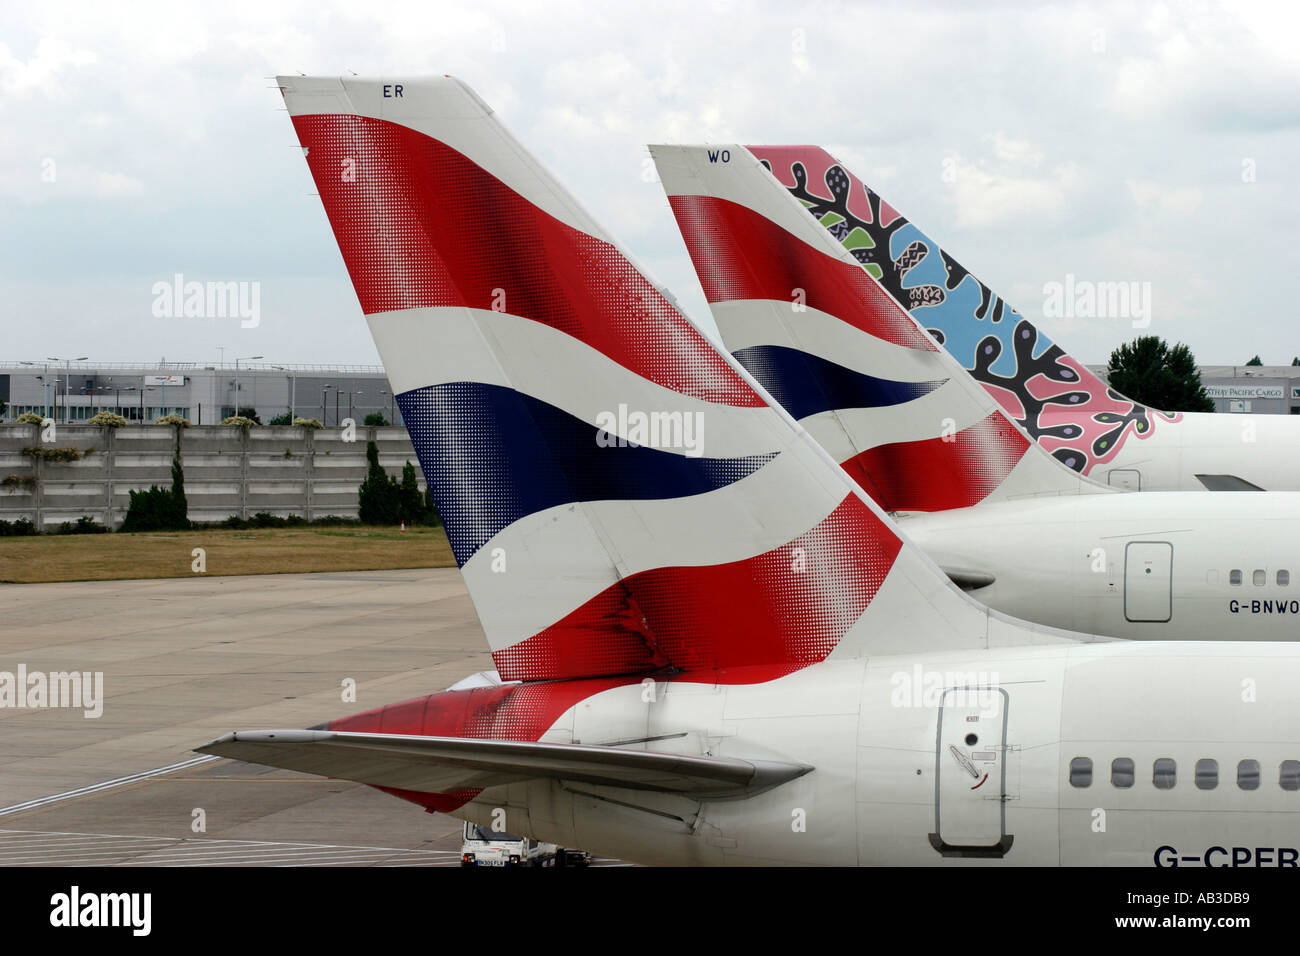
(187, 660)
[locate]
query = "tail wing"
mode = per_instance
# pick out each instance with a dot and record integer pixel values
(446, 765)
(830, 344)
(619, 497)
(1059, 403)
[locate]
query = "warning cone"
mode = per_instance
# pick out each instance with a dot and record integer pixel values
(403, 527)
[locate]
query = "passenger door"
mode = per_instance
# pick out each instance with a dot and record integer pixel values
(971, 773)
(1148, 581)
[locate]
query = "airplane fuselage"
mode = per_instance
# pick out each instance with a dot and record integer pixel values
(1110, 753)
(1143, 567)
(1262, 450)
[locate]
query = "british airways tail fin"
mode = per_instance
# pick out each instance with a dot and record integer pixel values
(841, 356)
(1059, 403)
(618, 495)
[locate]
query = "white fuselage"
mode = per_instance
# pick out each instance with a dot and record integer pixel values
(1263, 450)
(1222, 566)
(964, 758)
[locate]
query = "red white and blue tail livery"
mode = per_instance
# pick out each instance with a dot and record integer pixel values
(619, 497)
(840, 355)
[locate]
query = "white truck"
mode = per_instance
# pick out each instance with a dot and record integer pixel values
(484, 846)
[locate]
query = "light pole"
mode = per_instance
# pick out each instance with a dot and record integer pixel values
(45, 388)
(45, 392)
(246, 358)
(293, 384)
(324, 410)
(67, 379)
(350, 394)
(91, 393)
(101, 390)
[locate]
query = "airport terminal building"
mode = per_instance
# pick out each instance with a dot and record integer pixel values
(203, 393)
(1253, 389)
(207, 393)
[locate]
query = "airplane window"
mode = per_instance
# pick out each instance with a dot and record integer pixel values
(1289, 775)
(1121, 772)
(1164, 773)
(1248, 775)
(1081, 772)
(1234, 577)
(1260, 578)
(1207, 774)
(1284, 578)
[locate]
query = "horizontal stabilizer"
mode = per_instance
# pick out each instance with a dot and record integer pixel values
(968, 579)
(446, 764)
(1226, 483)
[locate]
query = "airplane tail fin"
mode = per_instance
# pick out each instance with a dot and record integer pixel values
(841, 356)
(1053, 396)
(618, 495)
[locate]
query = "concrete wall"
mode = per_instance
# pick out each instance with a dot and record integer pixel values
(228, 471)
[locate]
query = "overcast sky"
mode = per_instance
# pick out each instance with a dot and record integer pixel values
(1114, 142)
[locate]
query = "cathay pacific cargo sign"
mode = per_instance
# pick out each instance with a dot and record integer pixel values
(1245, 391)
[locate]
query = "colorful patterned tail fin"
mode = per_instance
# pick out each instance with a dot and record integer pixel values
(619, 497)
(840, 355)
(1064, 407)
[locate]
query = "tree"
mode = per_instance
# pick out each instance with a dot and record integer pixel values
(379, 498)
(1148, 371)
(409, 494)
(1256, 361)
(180, 506)
(1296, 360)
(285, 419)
(160, 509)
(376, 418)
(417, 506)
(248, 412)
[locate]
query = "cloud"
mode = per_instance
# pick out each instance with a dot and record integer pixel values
(1219, 67)
(984, 196)
(1175, 200)
(40, 72)
(173, 152)
(1014, 152)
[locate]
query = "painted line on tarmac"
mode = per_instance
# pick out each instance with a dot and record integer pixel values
(35, 848)
(216, 840)
(106, 785)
